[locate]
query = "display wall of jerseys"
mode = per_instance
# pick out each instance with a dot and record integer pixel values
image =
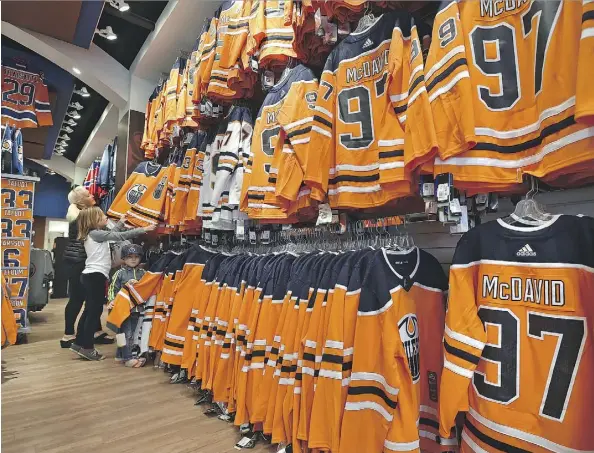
(354, 351)
(361, 115)
(25, 100)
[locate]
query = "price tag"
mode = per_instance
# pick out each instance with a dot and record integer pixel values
(443, 192)
(207, 236)
(265, 237)
(455, 208)
(252, 237)
(427, 190)
(215, 239)
(254, 64)
(324, 214)
(240, 231)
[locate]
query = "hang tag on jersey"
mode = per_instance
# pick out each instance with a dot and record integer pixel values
(463, 225)
(267, 80)
(252, 237)
(240, 231)
(324, 214)
(455, 208)
(254, 64)
(265, 237)
(215, 239)
(443, 193)
(207, 236)
(427, 190)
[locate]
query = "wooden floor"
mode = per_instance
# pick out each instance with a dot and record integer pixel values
(55, 402)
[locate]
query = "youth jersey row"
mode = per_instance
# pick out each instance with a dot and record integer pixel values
(311, 347)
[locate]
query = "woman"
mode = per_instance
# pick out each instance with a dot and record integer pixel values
(74, 259)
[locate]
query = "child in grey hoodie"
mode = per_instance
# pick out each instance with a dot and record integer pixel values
(128, 273)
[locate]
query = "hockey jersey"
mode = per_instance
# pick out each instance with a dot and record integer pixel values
(275, 172)
(371, 82)
(510, 89)
(25, 101)
(223, 169)
(143, 178)
(12, 151)
(518, 338)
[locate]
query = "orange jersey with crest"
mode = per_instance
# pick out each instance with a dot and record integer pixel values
(518, 339)
(142, 179)
(149, 209)
(280, 152)
(173, 90)
(372, 81)
(510, 89)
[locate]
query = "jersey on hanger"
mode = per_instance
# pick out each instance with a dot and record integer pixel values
(25, 101)
(373, 80)
(12, 151)
(511, 91)
(518, 340)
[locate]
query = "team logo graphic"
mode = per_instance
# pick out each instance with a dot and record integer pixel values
(160, 188)
(311, 98)
(408, 327)
(135, 192)
(6, 145)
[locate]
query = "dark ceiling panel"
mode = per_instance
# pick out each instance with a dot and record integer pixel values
(132, 28)
(57, 19)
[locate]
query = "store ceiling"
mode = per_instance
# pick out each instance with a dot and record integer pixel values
(132, 28)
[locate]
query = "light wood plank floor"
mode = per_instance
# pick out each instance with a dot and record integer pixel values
(55, 402)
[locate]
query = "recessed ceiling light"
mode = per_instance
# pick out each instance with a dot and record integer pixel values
(107, 33)
(73, 114)
(76, 70)
(83, 92)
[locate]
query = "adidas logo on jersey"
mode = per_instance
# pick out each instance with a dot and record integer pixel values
(367, 43)
(526, 251)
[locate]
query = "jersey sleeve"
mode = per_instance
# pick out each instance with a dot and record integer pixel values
(42, 105)
(464, 337)
(584, 99)
(296, 118)
(322, 143)
(448, 83)
(409, 98)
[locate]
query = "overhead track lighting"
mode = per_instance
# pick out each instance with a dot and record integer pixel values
(63, 143)
(64, 137)
(75, 105)
(107, 33)
(73, 114)
(82, 92)
(71, 122)
(120, 5)
(67, 129)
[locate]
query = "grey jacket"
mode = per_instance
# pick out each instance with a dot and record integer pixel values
(122, 276)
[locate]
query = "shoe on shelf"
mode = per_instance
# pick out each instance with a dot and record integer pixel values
(74, 347)
(103, 338)
(90, 354)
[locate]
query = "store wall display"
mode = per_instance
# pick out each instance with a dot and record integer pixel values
(290, 114)
(17, 228)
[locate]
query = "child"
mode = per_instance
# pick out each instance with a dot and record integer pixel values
(91, 224)
(128, 273)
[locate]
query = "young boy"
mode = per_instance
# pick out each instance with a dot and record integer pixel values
(129, 272)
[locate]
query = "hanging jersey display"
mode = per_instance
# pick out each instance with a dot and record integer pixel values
(25, 101)
(518, 338)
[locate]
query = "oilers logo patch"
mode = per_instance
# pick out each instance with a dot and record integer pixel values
(408, 327)
(135, 192)
(160, 188)
(311, 97)
(6, 145)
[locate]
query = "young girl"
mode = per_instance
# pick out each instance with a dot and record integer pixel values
(91, 224)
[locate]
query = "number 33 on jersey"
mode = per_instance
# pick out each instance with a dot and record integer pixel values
(510, 86)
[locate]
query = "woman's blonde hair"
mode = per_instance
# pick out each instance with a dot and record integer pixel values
(88, 219)
(77, 195)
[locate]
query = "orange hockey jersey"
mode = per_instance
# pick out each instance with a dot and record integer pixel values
(518, 342)
(25, 102)
(279, 152)
(510, 89)
(371, 82)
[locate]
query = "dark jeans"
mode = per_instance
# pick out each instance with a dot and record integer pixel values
(128, 328)
(94, 288)
(77, 297)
